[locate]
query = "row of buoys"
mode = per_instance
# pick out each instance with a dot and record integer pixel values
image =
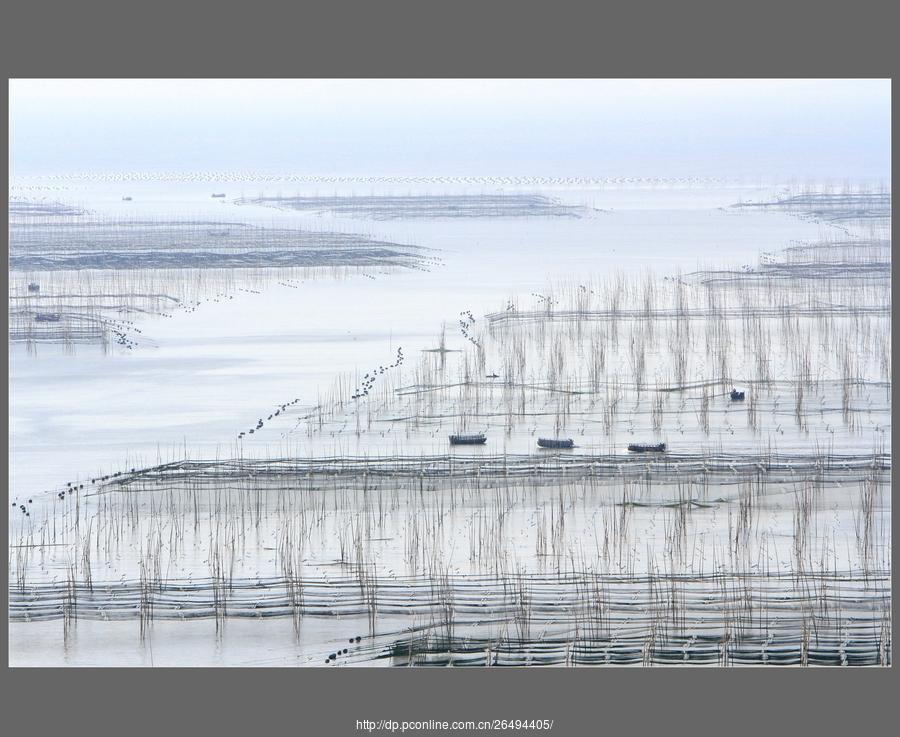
(69, 488)
(184, 306)
(22, 508)
(465, 324)
(333, 656)
(259, 424)
(121, 328)
(123, 340)
(544, 298)
(369, 379)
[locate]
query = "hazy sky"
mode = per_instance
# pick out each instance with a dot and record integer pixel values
(743, 128)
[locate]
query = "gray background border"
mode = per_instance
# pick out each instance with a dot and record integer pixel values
(449, 39)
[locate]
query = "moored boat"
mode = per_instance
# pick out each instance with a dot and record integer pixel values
(476, 439)
(647, 448)
(556, 442)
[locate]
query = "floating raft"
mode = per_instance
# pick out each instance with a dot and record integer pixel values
(643, 448)
(478, 439)
(556, 442)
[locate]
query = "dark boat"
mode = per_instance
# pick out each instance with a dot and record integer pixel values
(556, 442)
(48, 317)
(219, 194)
(478, 439)
(737, 396)
(34, 287)
(644, 448)
(126, 199)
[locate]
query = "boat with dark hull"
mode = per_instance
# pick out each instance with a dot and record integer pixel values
(647, 448)
(556, 442)
(477, 439)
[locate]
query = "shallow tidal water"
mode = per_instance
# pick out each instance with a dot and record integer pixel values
(203, 375)
(199, 378)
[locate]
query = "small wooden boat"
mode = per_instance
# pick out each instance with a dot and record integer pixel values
(477, 439)
(737, 396)
(556, 442)
(645, 448)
